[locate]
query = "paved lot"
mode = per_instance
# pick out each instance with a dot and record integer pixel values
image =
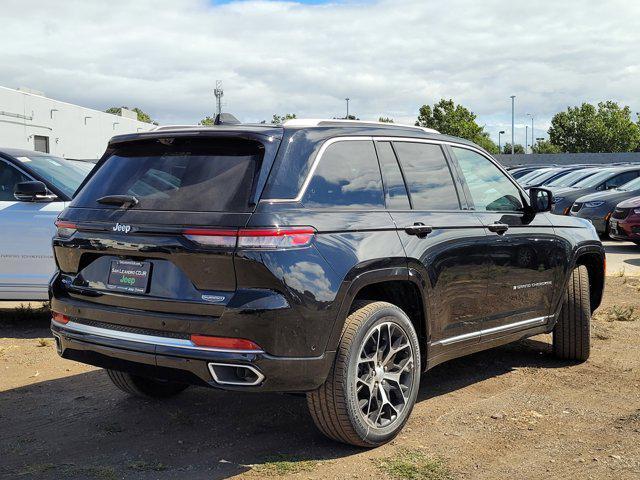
(623, 258)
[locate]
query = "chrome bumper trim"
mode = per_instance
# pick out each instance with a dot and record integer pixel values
(74, 327)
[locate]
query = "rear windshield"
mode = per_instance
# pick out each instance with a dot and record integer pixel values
(198, 175)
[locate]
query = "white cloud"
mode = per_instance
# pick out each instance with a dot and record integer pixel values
(389, 56)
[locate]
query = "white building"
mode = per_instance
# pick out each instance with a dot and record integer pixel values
(32, 121)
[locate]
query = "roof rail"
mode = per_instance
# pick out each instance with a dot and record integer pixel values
(320, 122)
(173, 127)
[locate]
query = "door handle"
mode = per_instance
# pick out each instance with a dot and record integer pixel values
(418, 229)
(498, 228)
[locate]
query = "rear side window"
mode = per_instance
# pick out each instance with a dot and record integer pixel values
(428, 176)
(347, 176)
(185, 175)
(395, 191)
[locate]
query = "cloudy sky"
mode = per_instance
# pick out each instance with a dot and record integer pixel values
(389, 56)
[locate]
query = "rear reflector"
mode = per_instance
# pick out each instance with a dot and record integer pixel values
(59, 317)
(224, 342)
(65, 229)
(288, 237)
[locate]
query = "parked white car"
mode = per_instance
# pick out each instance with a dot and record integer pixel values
(34, 188)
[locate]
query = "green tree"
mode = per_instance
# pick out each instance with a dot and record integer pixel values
(385, 120)
(545, 146)
(451, 119)
(517, 148)
(280, 119)
(142, 116)
(207, 121)
(587, 128)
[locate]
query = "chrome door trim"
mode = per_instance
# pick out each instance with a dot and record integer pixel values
(333, 140)
(532, 322)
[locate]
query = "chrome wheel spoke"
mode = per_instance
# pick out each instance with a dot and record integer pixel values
(384, 374)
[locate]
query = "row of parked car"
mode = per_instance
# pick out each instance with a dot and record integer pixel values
(35, 187)
(607, 196)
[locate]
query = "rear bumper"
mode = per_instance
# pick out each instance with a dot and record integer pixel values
(179, 362)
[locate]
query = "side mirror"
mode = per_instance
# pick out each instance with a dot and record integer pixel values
(32, 192)
(540, 199)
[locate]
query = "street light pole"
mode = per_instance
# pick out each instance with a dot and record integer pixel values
(501, 132)
(526, 139)
(347, 117)
(532, 135)
(513, 124)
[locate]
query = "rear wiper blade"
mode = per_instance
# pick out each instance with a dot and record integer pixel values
(127, 201)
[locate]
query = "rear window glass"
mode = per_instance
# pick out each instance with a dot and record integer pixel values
(348, 176)
(428, 176)
(185, 175)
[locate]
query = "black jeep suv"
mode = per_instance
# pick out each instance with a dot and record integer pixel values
(339, 259)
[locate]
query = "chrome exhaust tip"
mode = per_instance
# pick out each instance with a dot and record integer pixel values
(235, 374)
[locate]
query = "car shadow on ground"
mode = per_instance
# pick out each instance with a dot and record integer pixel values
(25, 322)
(81, 425)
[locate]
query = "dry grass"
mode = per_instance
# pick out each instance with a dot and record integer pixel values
(619, 313)
(414, 465)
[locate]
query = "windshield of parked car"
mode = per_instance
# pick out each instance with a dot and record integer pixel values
(594, 180)
(570, 179)
(631, 186)
(531, 175)
(65, 175)
(544, 176)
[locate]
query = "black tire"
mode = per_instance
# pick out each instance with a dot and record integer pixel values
(143, 386)
(335, 406)
(572, 333)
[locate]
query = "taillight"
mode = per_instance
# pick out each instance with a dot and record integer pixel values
(212, 237)
(275, 237)
(59, 317)
(65, 229)
(224, 343)
(267, 238)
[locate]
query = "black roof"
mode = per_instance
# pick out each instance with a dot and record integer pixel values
(327, 128)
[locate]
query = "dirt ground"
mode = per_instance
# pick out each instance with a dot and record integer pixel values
(514, 412)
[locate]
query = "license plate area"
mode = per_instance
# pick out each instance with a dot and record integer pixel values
(129, 276)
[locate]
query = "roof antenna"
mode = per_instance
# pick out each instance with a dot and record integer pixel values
(226, 119)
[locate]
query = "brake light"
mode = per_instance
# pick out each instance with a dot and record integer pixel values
(212, 237)
(65, 229)
(268, 238)
(224, 342)
(60, 318)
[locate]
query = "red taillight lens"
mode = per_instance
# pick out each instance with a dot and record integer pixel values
(65, 229)
(212, 237)
(60, 318)
(286, 237)
(224, 342)
(275, 237)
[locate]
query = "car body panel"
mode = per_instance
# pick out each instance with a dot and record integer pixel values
(293, 302)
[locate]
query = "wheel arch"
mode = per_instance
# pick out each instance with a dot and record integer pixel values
(595, 261)
(401, 286)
